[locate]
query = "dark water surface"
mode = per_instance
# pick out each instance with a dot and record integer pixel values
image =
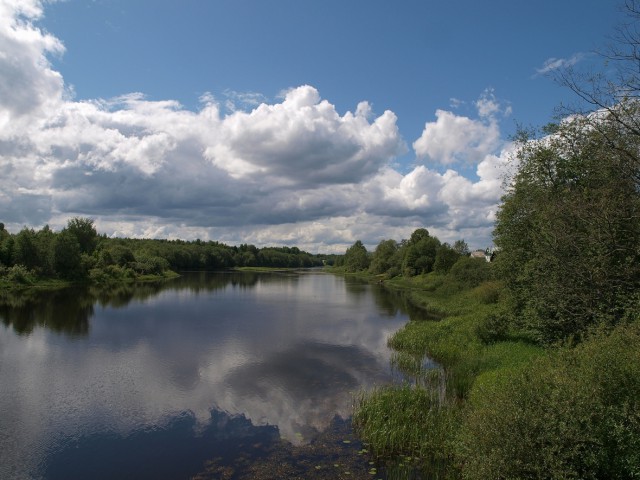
(201, 373)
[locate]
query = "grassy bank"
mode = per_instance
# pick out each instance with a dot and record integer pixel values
(421, 421)
(27, 280)
(34, 283)
(265, 269)
(497, 405)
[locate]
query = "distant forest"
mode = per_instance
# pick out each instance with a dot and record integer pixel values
(79, 253)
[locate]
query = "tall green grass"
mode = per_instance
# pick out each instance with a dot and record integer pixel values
(408, 422)
(422, 421)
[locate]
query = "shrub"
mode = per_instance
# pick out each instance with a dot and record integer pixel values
(488, 292)
(492, 327)
(470, 272)
(570, 414)
(19, 274)
(394, 271)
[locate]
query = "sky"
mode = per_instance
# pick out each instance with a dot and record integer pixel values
(286, 122)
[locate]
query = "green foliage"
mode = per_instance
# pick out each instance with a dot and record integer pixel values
(356, 258)
(571, 414)
(470, 272)
(568, 234)
(148, 264)
(385, 257)
(115, 254)
(461, 248)
(419, 254)
(424, 422)
(25, 250)
(6, 248)
(446, 258)
(466, 337)
(488, 292)
(493, 328)
(285, 257)
(67, 261)
(84, 232)
(409, 421)
(569, 231)
(18, 274)
(111, 274)
(44, 241)
(78, 253)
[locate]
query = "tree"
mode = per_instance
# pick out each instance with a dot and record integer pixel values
(117, 254)
(25, 250)
(461, 247)
(446, 257)
(417, 235)
(420, 253)
(85, 233)
(614, 90)
(356, 258)
(44, 240)
(384, 257)
(67, 260)
(6, 246)
(569, 230)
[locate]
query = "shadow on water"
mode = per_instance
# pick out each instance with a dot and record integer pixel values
(236, 450)
(63, 311)
(171, 451)
(394, 301)
(68, 310)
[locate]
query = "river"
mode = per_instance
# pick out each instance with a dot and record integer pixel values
(210, 374)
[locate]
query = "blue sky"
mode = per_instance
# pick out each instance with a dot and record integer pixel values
(283, 122)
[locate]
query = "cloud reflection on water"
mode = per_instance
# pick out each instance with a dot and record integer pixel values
(280, 350)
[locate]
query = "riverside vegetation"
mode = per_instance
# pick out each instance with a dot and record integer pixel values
(539, 351)
(78, 254)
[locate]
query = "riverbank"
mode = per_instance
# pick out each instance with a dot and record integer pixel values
(483, 398)
(416, 424)
(31, 281)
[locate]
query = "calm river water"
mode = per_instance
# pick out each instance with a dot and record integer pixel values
(209, 373)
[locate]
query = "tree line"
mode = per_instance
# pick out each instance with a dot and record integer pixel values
(568, 231)
(79, 253)
(420, 254)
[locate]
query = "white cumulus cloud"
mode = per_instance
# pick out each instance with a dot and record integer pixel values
(453, 139)
(289, 171)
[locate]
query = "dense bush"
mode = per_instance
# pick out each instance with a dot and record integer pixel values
(488, 292)
(470, 272)
(17, 274)
(569, 229)
(493, 327)
(571, 414)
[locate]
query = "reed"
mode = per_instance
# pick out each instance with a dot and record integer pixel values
(442, 360)
(409, 424)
